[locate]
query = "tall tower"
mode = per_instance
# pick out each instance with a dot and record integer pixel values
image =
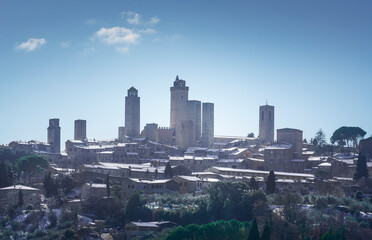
(54, 135)
(178, 112)
(80, 129)
(194, 114)
(208, 124)
(132, 113)
(266, 123)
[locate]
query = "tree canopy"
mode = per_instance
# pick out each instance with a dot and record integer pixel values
(347, 136)
(270, 183)
(31, 164)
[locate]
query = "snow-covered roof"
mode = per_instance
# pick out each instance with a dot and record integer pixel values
(19, 187)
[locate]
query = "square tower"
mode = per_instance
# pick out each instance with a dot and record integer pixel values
(208, 124)
(132, 113)
(266, 123)
(54, 135)
(80, 129)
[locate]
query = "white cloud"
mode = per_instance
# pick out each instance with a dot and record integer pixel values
(147, 31)
(87, 51)
(91, 22)
(122, 49)
(65, 44)
(132, 17)
(117, 35)
(154, 20)
(31, 44)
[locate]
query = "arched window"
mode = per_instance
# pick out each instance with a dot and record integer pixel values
(269, 115)
(262, 115)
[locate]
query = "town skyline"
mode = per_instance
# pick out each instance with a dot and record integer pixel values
(315, 72)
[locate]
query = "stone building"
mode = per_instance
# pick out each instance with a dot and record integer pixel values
(150, 132)
(121, 134)
(80, 129)
(208, 124)
(166, 135)
(10, 195)
(54, 135)
(132, 113)
(278, 157)
(291, 136)
(266, 123)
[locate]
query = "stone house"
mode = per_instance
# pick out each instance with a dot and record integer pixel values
(10, 195)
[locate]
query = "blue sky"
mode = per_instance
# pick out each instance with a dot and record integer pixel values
(76, 59)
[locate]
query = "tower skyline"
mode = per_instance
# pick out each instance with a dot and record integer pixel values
(132, 113)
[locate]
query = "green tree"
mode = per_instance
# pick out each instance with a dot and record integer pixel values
(347, 135)
(168, 171)
(5, 175)
(30, 165)
(270, 183)
(20, 198)
(320, 138)
(251, 135)
(50, 185)
(156, 174)
(266, 233)
(108, 185)
(361, 167)
(136, 208)
(253, 232)
(253, 184)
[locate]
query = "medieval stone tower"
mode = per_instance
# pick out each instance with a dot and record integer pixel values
(132, 113)
(80, 129)
(208, 124)
(194, 115)
(178, 112)
(54, 135)
(266, 123)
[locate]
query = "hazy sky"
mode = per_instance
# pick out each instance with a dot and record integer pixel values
(72, 60)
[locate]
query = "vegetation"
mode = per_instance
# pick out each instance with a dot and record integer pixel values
(270, 183)
(361, 167)
(221, 229)
(168, 171)
(347, 136)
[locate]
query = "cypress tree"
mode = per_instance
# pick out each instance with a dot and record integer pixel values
(253, 232)
(20, 198)
(168, 172)
(253, 184)
(266, 233)
(361, 167)
(270, 183)
(108, 185)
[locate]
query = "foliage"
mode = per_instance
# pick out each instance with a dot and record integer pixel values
(108, 185)
(31, 164)
(253, 232)
(251, 135)
(218, 230)
(270, 183)
(50, 186)
(6, 177)
(168, 171)
(253, 184)
(266, 232)
(361, 167)
(136, 208)
(346, 135)
(20, 199)
(320, 138)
